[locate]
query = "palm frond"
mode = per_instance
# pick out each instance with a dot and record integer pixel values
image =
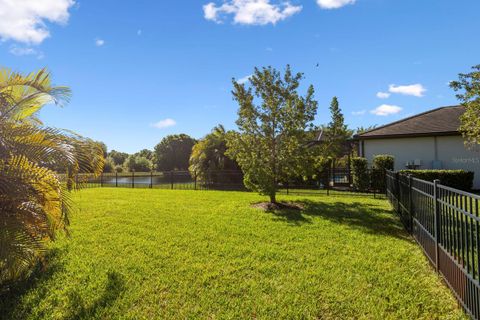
(34, 203)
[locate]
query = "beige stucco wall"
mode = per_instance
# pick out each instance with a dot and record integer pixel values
(449, 150)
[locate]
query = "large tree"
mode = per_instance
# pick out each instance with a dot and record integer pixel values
(468, 87)
(208, 154)
(118, 157)
(137, 163)
(173, 152)
(336, 132)
(149, 154)
(34, 202)
(273, 120)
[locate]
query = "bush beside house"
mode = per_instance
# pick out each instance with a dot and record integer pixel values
(360, 174)
(380, 164)
(458, 179)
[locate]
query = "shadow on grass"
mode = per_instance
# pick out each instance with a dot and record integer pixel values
(77, 309)
(368, 218)
(12, 293)
(11, 299)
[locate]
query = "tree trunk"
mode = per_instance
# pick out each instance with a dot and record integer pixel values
(273, 198)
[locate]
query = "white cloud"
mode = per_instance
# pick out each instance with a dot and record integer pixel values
(25, 20)
(99, 42)
(334, 4)
(383, 95)
(25, 51)
(244, 79)
(386, 110)
(19, 51)
(416, 90)
(359, 113)
(165, 123)
(251, 12)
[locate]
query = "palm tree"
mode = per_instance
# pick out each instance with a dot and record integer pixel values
(34, 201)
(208, 156)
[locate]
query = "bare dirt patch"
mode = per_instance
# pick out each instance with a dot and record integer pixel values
(269, 206)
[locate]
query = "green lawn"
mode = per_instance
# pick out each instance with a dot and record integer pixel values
(170, 254)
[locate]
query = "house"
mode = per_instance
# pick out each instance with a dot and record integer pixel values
(429, 140)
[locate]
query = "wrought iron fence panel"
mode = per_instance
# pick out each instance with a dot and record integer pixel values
(445, 222)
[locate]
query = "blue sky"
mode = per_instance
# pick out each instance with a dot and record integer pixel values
(140, 70)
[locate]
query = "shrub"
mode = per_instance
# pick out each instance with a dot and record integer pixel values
(381, 163)
(458, 179)
(322, 167)
(361, 180)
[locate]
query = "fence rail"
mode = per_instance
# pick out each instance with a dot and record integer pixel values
(333, 182)
(446, 224)
(224, 180)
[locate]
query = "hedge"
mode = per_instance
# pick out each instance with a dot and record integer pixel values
(381, 163)
(361, 178)
(458, 179)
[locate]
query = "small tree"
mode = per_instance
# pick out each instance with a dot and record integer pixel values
(469, 86)
(272, 120)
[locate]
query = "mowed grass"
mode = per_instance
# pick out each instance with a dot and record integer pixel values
(169, 254)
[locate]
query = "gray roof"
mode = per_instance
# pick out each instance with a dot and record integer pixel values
(436, 122)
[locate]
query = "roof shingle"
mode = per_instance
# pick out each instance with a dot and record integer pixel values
(441, 121)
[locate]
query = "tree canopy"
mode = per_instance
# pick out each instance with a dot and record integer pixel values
(336, 134)
(148, 154)
(138, 163)
(273, 120)
(468, 88)
(118, 157)
(173, 152)
(208, 154)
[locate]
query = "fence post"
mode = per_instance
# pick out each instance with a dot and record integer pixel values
(397, 190)
(116, 179)
(195, 181)
(385, 181)
(436, 220)
(101, 180)
(133, 179)
(151, 179)
(410, 200)
(171, 179)
(328, 179)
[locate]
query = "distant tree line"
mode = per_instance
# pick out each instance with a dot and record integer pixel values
(276, 141)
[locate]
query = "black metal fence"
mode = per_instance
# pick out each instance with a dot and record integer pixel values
(333, 182)
(183, 180)
(446, 224)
